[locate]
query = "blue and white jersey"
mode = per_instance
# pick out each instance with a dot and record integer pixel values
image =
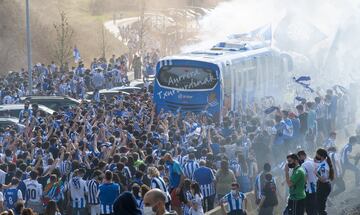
(259, 186)
(108, 192)
(235, 203)
(12, 196)
(22, 114)
(320, 111)
(323, 171)
(98, 80)
(64, 167)
(336, 163)
(189, 168)
(188, 197)
(159, 183)
(345, 153)
(8, 99)
(140, 202)
(288, 129)
(311, 179)
(182, 159)
(78, 190)
(93, 188)
(329, 143)
(204, 176)
(127, 173)
(34, 191)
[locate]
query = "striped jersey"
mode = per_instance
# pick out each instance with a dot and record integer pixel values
(158, 182)
(34, 191)
(259, 185)
(235, 203)
(108, 192)
(336, 163)
(345, 153)
(64, 167)
(182, 159)
(78, 189)
(93, 188)
(311, 179)
(204, 176)
(323, 170)
(189, 168)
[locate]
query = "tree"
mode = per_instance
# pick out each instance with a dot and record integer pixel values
(103, 42)
(142, 26)
(64, 35)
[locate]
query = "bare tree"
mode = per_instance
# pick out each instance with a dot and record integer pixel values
(142, 26)
(64, 35)
(103, 40)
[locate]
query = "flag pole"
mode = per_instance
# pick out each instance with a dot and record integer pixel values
(28, 43)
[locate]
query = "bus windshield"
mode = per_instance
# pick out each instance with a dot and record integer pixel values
(187, 77)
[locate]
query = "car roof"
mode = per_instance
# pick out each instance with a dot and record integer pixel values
(21, 106)
(9, 119)
(105, 91)
(48, 98)
(125, 88)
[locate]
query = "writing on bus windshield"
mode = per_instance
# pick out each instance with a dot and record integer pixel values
(187, 77)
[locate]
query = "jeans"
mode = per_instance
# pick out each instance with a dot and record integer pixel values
(208, 203)
(79, 211)
(295, 207)
(94, 209)
(322, 192)
(310, 204)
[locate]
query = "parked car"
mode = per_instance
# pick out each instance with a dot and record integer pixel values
(108, 94)
(140, 83)
(13, 110)
(127, 89)
(11, 122)
(52, 102)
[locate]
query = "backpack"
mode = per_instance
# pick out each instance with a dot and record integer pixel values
(270, 194)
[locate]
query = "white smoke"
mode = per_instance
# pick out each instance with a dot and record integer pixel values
(335, 55)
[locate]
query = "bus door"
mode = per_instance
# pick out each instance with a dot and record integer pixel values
(250, 71)
(227, 86)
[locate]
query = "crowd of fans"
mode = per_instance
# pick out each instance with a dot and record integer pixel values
(117, 156)
(77, 80)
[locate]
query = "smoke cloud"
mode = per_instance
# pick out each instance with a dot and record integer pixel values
(321, 35)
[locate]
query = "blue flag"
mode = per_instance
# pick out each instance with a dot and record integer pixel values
(341, 88)
(301, 81)
(302, 78)
(270, 109)
(300, 99)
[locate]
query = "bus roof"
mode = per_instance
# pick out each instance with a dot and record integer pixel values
(218, 54)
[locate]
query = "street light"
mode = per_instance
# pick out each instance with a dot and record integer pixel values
(28, 43)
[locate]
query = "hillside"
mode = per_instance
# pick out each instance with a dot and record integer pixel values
(85, 16)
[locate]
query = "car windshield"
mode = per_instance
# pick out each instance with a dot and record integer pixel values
(187, 77)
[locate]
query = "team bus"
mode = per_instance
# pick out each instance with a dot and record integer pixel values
(229, 75)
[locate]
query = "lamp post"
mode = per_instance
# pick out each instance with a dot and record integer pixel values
(28, 43)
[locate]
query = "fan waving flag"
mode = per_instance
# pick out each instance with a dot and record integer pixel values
(76, 55)
(301, 80)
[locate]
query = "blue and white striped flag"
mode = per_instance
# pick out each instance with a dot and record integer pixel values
(76, 55)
